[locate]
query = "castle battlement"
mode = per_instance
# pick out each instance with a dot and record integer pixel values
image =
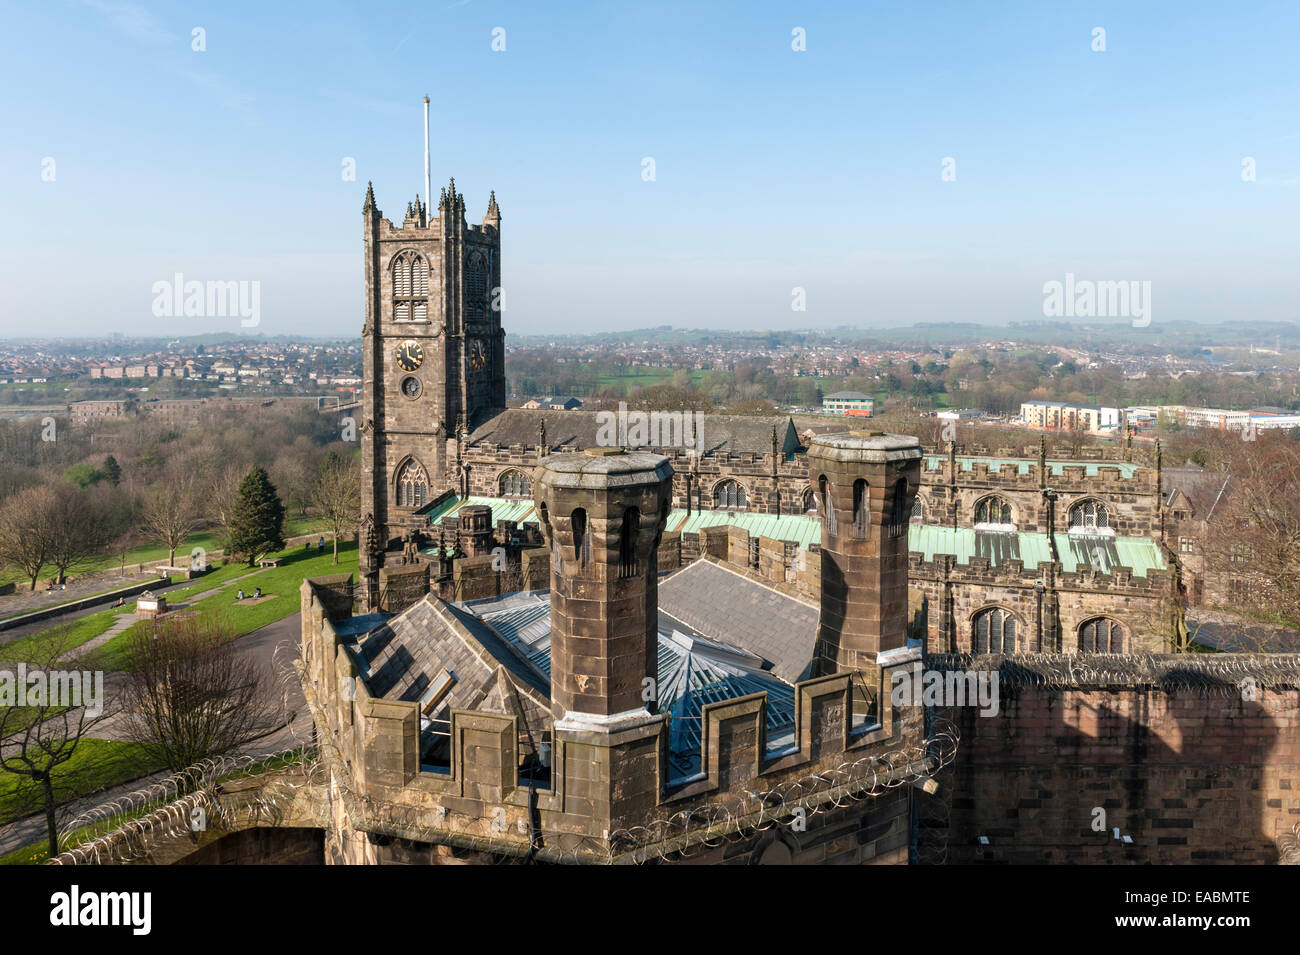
(843, 724)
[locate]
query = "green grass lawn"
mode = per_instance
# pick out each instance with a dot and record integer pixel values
(156, 551)
(95, 764)
(37, 853)
(281, 583)
(79, 631)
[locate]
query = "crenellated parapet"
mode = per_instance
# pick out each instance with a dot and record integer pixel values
(608, 782)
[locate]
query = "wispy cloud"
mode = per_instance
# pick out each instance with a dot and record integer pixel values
(139, 26)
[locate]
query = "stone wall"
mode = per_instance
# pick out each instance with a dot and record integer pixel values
(1179, 757)
(1049, 606)
(262, 846)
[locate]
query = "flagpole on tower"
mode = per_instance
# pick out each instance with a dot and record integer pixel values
(427, 197)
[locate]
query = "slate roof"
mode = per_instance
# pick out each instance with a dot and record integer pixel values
(721, 434)
(399, 659)
(693, 671)
(735, 610)
(1203, 489)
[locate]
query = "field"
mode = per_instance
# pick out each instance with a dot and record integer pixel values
(638, 376)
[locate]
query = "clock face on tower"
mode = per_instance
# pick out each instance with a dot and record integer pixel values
(410, 355)
(477, 355)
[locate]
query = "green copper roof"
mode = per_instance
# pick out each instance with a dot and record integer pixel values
(1139, 553)
(790, 527)
(934, 462)
(787, 527)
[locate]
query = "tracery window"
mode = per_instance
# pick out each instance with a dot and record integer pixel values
(412, 486)
(993, 631)
(729, 495)
(514, 483)
(1090, 517)
(994, 512)
(1101, 635)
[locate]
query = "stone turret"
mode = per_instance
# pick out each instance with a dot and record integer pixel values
(602, 513)
(865, 483)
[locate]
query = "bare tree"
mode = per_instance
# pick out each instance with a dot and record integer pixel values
(26, 530)
(82, 524)
(1253, 542)
(190, 694)
(43, 734)
(172, 510)
(338, 495)
(222, 493)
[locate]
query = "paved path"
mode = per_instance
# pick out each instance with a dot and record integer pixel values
(121, 624)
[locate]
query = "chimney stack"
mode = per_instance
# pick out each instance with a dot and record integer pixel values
(865, 482)
(602, 512)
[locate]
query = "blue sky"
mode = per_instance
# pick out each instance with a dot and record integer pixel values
(775, 169)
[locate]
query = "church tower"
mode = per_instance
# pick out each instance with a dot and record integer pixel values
(433, 355)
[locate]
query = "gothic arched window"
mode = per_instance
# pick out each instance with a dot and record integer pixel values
(809, 501)
(993, 631)
(1090, 517)
(412, 486)
(918, 509)
(1101, 635)
(729, 495)
(410, 288)
(514, 483)
(994, 513)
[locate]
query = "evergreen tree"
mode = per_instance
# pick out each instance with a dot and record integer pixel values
(113, 470)
(257, 524)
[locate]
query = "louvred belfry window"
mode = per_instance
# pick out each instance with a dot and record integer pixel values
(410, 288)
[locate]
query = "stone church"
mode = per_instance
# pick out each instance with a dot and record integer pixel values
(1016, 549)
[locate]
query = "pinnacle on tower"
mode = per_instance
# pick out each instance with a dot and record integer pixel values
(369, 204)
(493, 212)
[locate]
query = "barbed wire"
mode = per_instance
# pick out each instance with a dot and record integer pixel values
(1209, 673)
(1288, 847)
(131, 832)
(690, 831)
